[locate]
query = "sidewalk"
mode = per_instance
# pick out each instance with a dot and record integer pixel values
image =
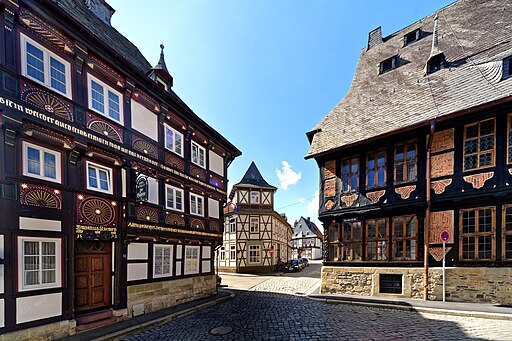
(489, 311)
(142, 322)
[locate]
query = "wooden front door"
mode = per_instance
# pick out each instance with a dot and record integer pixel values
(92, 275)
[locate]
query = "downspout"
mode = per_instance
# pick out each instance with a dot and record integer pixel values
(426, 228)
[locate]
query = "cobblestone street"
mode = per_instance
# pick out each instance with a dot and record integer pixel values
(274, 308)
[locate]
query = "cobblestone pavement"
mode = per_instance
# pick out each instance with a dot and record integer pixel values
(256, 315)
(272, 308)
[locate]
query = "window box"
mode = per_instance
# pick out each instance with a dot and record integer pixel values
(173, 140)
(173, 198)
(45, 67)
(198, 155)
(39, 263)
(41, 163)
(196, 205)
(104, 100)
(99, 178)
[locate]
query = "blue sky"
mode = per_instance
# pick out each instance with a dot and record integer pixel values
(264, 72)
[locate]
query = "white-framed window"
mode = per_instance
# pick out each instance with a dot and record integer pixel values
(173, 198)
(39, 263)
(254, 254)
(198, 155)
(191, 260)
(173, 140)
(104, 100)
(162, 260)
(232, 225)
(222, 255)
(255, 197)
(41, 163)
(45, 67)
(254, 225)
(232, 251)
(99, 178)
(196, 204)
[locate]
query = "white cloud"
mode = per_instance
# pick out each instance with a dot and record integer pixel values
(287, 176)
(313, 204)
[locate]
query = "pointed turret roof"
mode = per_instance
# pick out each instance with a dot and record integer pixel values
(161, 62)
(253, 178)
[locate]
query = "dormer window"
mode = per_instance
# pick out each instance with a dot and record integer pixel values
(507, 67)
(388, 64)
(162, 83)
(411, 37)
(435, 63)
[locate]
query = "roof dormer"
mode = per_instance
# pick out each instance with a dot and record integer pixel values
(160, 74)
(436, 60)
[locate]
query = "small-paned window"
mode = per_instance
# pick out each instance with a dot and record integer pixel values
(376, 169)
(477, 235)
(45, 67)
(222, 253)
(104, 100)
(351, 241)
(173, 140)
(254, 254)
(405, 238)
(376, 239)
(255, 197)
(411, 37)
(162, 260)
(191, 260)
(196, 204)
(389, 64)
(41, 163)
(39, 263)
(507, 233)
(232, 252)
(173, 198)
(405, 162)
(198, 155)
(479, 145)
(232, 225)
(350, 175)
(254, 225)
(99, 178)
(334, 251)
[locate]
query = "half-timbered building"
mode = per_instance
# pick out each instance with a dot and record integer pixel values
(307, 240)
(419, 152)
(111, 187)
(256, 238)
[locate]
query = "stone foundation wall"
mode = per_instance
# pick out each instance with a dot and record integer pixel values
(145, 298)
(484, 285)
(49, 331)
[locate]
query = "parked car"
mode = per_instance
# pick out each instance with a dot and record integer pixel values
(305, 261)
(292, 265)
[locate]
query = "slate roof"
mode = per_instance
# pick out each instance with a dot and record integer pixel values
(474, 35)
(253, 178)
(305, 228)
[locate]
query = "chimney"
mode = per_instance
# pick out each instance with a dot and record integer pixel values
(374, 37)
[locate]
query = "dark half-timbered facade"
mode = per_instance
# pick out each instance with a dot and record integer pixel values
(419, 152)
(256, 238)
(111, 188)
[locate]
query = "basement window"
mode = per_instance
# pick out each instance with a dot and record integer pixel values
(390, 284)
(388, 64)
(411, 37)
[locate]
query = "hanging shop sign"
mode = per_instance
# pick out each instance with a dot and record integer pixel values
(141, 189)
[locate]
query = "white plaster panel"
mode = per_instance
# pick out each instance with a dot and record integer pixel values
(1, 246)
(206, 266)
(216, 163)
(153, 191)
(144, 121)
(34, 308)
(137, 251)
(179, 252)
(2, 276)
(178, 268)
(2, 313)
(207, 250)
(213, 208)
(137, 271)
(40, 224)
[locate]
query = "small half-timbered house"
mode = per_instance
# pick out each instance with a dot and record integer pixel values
(111, 188)
(419, 152)
(307, 240)
(256, 238)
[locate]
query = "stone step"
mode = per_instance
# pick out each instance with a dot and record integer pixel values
(94, 316)
(95, 324)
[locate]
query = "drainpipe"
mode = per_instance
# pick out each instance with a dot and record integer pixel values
(426, 228)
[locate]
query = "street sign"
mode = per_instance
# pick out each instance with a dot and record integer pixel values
(445, 236)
